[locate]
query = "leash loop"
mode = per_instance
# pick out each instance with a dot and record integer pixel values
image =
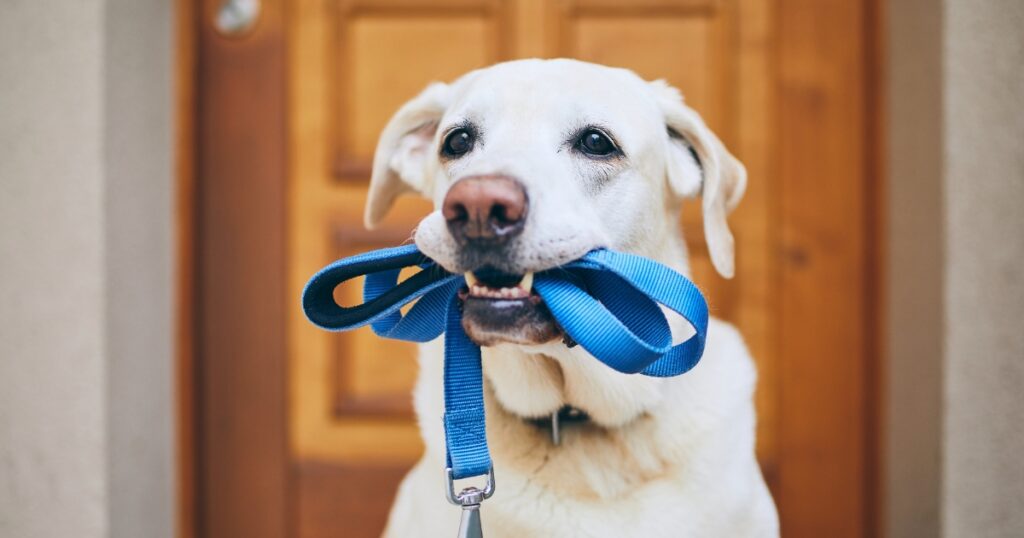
(382, 293)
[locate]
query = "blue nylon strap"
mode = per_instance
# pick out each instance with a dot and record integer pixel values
(465, 437)
(606, 301)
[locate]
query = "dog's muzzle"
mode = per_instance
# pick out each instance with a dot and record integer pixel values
(484, 214)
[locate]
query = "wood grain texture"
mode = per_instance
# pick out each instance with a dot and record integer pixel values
(754, 307)
(824, 333)
(384, 52)
(185, 64)
(344, 500)
(243, 487)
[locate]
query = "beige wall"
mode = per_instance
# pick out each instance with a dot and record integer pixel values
(137, 136)
(983, 469)
(85, 354)
(52, 368)
(956, 269)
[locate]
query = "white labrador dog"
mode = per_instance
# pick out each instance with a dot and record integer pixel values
(531, 164)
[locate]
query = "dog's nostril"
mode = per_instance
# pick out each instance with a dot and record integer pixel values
(500, 214)
(459, 213)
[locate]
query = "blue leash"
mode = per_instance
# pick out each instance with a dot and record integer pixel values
(606, 301)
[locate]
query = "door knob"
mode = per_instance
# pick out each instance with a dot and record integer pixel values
(236, 17)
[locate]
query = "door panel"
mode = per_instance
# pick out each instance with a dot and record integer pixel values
(353, 64)
(382, 53)
(304, 433)
(242, 481)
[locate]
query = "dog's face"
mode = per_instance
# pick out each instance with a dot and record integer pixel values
(532, 164)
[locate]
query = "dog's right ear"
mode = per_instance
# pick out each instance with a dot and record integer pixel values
(403, 151)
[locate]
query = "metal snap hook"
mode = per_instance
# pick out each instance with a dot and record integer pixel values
(469, 499)
(470, 495)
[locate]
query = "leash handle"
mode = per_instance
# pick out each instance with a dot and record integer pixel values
(382, 293)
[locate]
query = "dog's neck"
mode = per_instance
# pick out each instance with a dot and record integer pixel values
(524, 447)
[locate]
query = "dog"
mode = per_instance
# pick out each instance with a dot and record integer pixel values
(531, 164)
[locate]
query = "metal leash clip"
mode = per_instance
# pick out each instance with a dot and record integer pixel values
(469, 499)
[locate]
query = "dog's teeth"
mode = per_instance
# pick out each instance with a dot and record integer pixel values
(519, 291)
(526, 284)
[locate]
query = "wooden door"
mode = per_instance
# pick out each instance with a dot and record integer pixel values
(783, 82)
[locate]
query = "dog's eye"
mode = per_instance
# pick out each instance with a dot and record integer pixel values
(594, 142)
(457, 143)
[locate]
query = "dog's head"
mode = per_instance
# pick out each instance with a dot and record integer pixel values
(533, 163)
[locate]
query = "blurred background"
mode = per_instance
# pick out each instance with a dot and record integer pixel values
(172, 172)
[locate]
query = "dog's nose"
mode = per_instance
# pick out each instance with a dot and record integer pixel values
(485, 209)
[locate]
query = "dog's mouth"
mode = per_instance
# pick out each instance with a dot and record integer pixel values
(503, 307)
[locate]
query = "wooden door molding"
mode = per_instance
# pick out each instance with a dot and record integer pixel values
(827, 85)
(242, 479)
(185, 63)
(345, 239)
(354, 166)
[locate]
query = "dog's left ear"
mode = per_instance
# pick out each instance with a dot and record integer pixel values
(698, 163)
(403, 150)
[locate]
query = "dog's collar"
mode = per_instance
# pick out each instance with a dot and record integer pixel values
(567, 414)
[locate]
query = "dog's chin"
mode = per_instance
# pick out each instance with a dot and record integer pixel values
(525, 321)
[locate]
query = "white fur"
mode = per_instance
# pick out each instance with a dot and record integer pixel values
(660, 457)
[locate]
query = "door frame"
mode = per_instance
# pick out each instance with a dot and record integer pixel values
(234, 472)
(184, 118)
(233, 468)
